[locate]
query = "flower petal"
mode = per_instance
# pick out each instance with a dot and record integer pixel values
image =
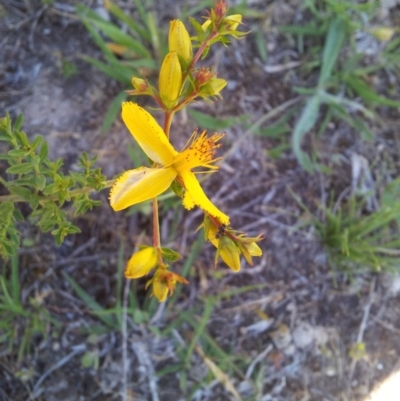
(141, 263)
(148, 134)
(139, 185)
(195, 195)
(254, 249)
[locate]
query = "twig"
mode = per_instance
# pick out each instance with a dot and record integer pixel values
(259, 358)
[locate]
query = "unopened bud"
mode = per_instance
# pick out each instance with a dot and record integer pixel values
(229, 253)
(232, 22)
(213, 87)
(141, 263)
(170, 81)
(383, 34)
(179, 41)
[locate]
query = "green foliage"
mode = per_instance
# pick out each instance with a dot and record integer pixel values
(343, 86)
(126, 54)
(357, 240)
(35, 179)
(19, 322)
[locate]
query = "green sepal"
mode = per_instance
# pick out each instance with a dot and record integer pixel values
(170, 255)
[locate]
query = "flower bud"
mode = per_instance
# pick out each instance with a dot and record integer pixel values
(384, 34)
(142, 87)
(206, 24)
(179, 41)
(232, 22)
(160, 285)
(170, 80)
(254, 249)
(213, 87)
(141, 263)
(229, 253)
(165, 281)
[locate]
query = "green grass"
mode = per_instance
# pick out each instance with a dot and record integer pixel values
(19, 321)
(342, 91)
(357, 240)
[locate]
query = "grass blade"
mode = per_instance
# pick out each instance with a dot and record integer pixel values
(113, 111)
(307, 120)
(333, 45)
(91, 303)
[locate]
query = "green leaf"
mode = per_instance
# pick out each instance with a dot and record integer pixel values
(120, 37)
(213, 123)
(307, 121)
(44, 150)
(122, 16)
(22, 138)
(18, 122)
(40, 182)
(20, 168)
(261, 44)
(117, 71)
(18, 152)
(37, 141)
(113, 111)
(6, 208)
(368, 94)
(333, 45)
(22, 192)
(91, 303)
(170, 255)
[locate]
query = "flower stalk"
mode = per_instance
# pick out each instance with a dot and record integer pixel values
(180, 83)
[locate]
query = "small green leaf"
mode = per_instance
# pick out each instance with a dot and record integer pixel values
(170, 255)
(113, 111)
(22, 138)
(18, 153)
(22, 192)
(18, 122)
(40, 182)
(44, 150)
(307, 121)
(20, 168)
(34, 201)
(37, 141)
(333, 45)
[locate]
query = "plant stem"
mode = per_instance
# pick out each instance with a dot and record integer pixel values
(156, 231)
(169, 115)
(201, 49)
(42, 199)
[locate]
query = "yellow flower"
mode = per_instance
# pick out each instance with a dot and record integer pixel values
(141, 263)
(170, 80)
(229, 253)
(143, 183)
(179, 41)
(226, 248)
(232, 22)
(163, 282)
(230, 246)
